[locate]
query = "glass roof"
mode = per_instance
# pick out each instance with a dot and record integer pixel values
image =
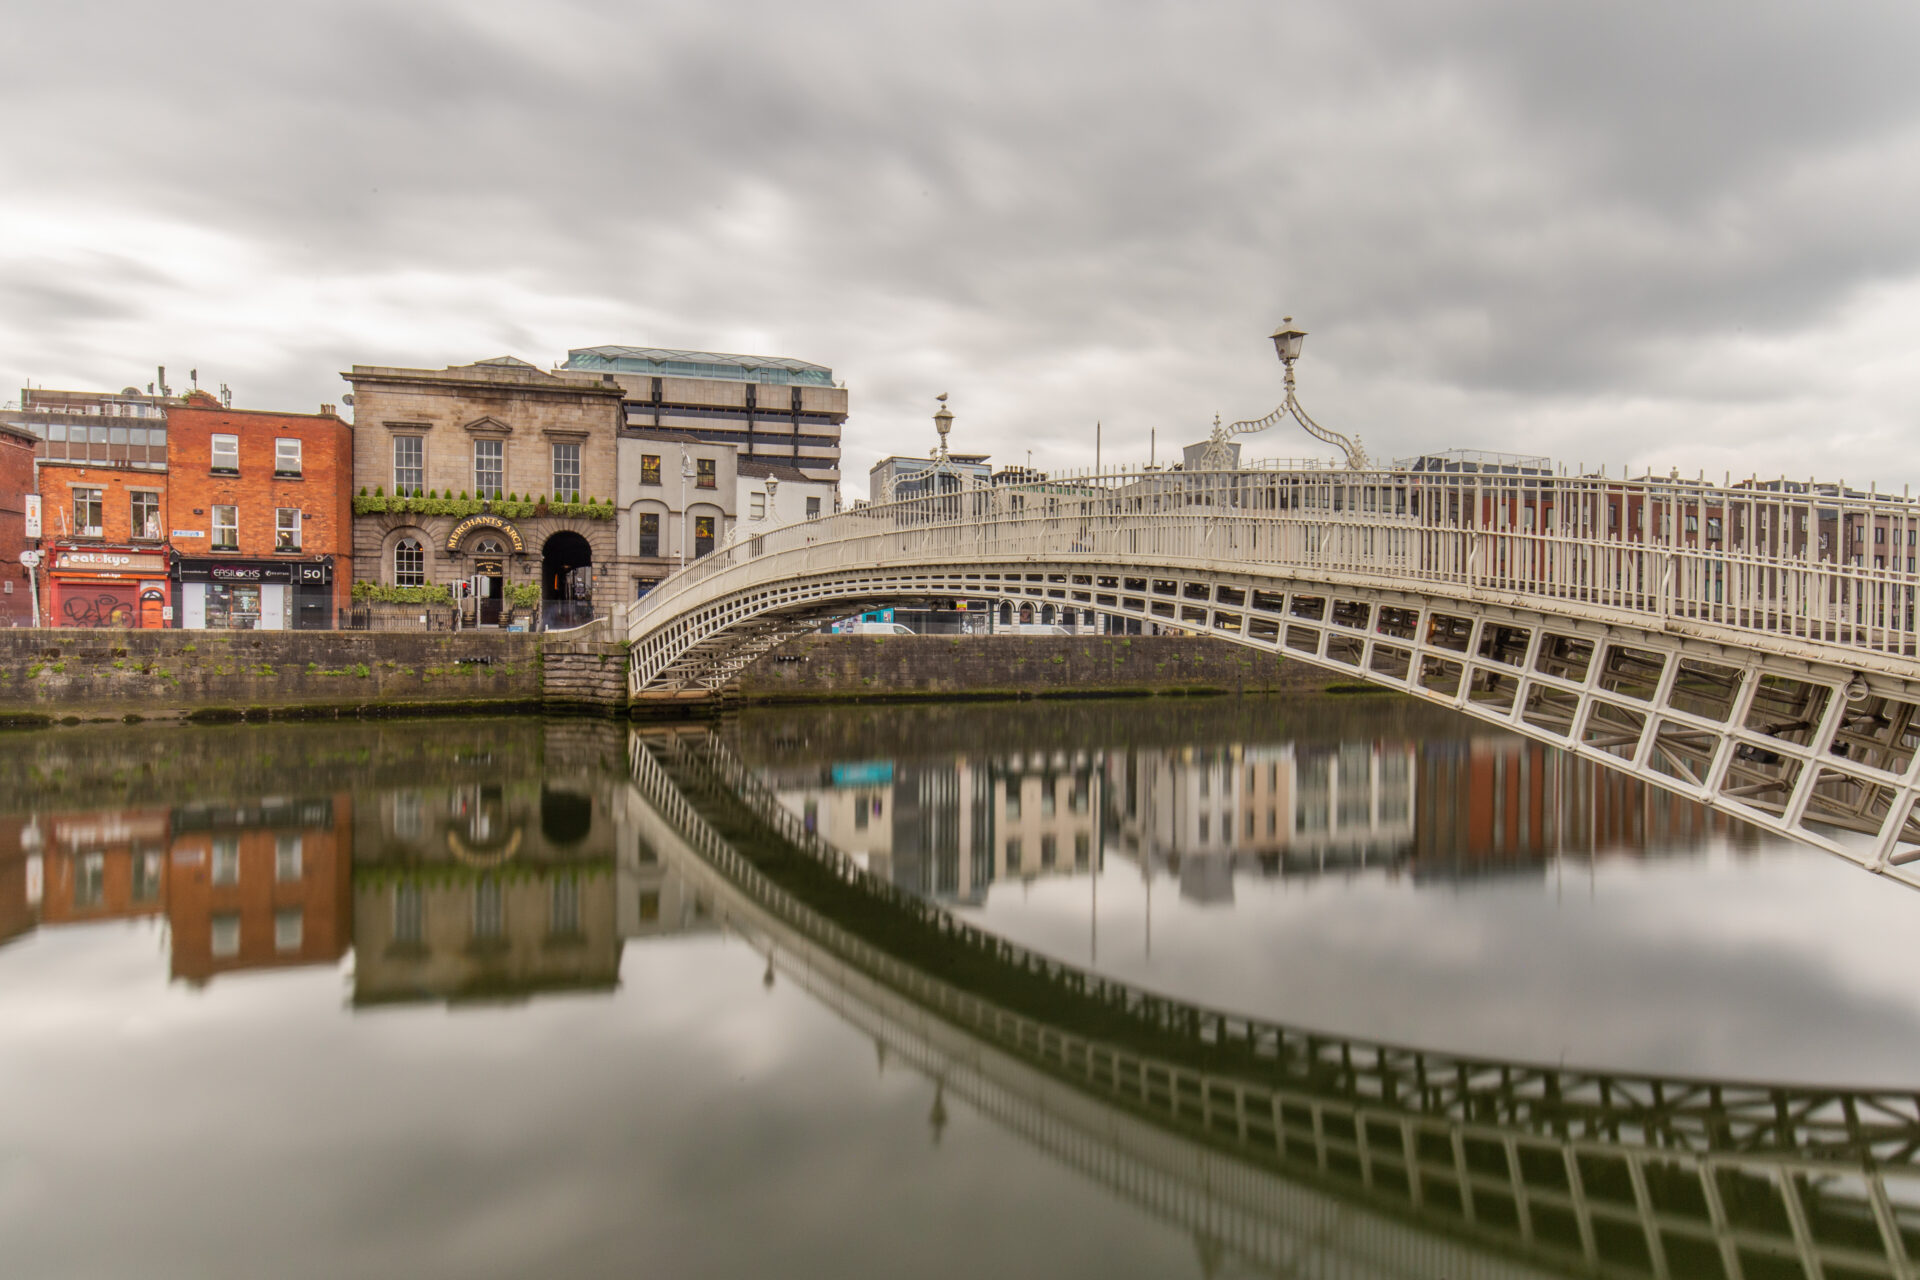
(660, 361)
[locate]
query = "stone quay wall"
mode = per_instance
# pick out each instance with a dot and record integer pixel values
(58, 673)
(834, 667)
(55, 674)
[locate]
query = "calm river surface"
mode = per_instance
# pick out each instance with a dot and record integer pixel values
(1159, 987)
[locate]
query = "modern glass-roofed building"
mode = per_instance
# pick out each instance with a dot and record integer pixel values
(770, 408)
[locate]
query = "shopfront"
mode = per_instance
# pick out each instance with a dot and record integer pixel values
(254, 595)
(95, 586)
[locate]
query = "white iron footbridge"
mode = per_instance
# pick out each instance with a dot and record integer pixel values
(1751, 646)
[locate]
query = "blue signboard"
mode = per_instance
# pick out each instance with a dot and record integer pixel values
(863, 773)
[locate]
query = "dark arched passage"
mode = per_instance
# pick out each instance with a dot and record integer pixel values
(566, 580)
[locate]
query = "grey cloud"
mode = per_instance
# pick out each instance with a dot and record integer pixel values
(1503, 212)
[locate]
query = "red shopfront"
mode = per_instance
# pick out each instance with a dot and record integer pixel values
(95, 586)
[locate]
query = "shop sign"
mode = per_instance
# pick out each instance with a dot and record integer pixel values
(471, 523)
(33, 515)
(109, 561)
(308, 572)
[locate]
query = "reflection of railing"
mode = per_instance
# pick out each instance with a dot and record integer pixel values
(1626, 1174)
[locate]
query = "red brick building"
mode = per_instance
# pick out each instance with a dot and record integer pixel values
(261, 519)
(260, 887)
(16, 483)
(102, 481)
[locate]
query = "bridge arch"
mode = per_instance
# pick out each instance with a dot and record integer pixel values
(1668, 660)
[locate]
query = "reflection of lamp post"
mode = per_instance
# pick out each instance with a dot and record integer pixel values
(1287, 340)
(686, 519)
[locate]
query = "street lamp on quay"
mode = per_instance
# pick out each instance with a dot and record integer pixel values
(1287, 340)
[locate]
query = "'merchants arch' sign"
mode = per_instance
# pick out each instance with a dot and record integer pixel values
(471, 523)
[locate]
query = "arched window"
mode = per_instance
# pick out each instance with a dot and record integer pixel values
(409, 564)
(489, 547)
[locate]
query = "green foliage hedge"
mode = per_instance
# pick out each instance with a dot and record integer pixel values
(386, 593)
(508, 508)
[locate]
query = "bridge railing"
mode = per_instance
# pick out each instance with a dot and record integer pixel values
(1816, 565)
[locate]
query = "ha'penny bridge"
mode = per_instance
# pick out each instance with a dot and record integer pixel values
(1298, 1152)
(1749, 645)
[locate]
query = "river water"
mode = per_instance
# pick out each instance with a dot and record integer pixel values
(1308, 985)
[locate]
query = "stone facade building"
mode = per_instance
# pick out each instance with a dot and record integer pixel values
(493, 473)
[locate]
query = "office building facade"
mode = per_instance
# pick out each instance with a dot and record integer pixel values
(770, 409)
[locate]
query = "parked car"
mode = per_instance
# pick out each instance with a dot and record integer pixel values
(873, 629)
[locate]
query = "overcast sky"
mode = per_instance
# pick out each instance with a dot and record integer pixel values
(1654, 234)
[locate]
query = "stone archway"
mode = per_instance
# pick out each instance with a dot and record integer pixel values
(566, 580)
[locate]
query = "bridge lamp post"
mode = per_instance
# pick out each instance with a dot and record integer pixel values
(1287, 340)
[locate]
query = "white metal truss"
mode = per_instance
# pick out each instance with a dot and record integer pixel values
(1731, 665)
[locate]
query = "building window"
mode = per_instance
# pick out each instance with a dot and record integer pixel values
(566, 472)
(1880, 534)
(90, 880)
(407, 914)
(1013, 798)
(563, 908)
(643, 585)
(288, 925)
(286, 458)
(1713, 528)
(407, 823)
(489, 466)
(226, 528)
(286, 857)
(1013, 857)
(650, 534)
(489, 914)
(226, 455)
(409, 564)
(226, 860)
(650, 468)
(1049, 852)
(146, 875)
(226, 935)
(86, 513)
(813, 508)
(286, 529)
(702, 535)
(409, 463)
(144, 515)
(759, 506)
(704, 472)
(1082, 848)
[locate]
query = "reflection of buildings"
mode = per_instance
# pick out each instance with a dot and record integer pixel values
(488, 891)
(104, 865)
(1195, 812)
(259, 886)
(1500, 802)
(240, 887)
(948, 829)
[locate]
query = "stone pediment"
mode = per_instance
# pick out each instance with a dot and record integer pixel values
(488, 426)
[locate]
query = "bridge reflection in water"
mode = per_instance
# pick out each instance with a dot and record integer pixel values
(1280, 1148)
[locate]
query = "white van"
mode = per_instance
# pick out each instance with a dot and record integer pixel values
(1031, 629)
(873, 629)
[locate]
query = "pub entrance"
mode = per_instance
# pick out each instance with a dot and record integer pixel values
(489, 580)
